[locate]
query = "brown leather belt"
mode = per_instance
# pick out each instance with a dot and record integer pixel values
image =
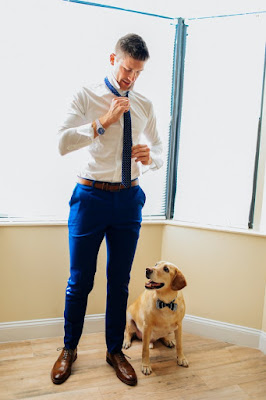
(109, 186)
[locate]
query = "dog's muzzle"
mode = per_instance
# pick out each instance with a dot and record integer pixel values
(151, 284)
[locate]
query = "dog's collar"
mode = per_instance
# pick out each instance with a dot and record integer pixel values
(161, 304)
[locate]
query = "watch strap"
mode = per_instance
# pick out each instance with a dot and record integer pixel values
(99, 128)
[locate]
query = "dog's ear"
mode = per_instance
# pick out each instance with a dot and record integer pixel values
(179, 281)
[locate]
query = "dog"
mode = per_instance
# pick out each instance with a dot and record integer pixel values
(158, 312)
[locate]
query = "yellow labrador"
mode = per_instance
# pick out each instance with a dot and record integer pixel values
(158, 312)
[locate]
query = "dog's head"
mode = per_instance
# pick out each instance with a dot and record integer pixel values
(165, 274)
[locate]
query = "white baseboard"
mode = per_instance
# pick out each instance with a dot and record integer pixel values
(225, 332)
(43, 328)
(222, 331)
(262, 346)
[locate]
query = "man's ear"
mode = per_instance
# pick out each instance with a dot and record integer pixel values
(112, 58)
(179, 281)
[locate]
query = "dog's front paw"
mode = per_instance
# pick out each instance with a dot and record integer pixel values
(182, 361)
(126, 344)
(146, 369)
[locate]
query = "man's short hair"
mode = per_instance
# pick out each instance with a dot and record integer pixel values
(134, 46)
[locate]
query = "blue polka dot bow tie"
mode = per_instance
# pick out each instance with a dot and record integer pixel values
(161, 304)
(127, 140)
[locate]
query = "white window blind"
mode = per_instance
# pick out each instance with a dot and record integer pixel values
(49, 50)
(221, 107)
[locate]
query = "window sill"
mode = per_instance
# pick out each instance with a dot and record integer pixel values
(214, 228)
(31, 222)
(146, 221)
(46, 221)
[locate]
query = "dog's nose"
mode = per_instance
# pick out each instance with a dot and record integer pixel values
(148, 272)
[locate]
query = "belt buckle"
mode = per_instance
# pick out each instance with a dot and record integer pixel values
(109, 187)
(115, 188)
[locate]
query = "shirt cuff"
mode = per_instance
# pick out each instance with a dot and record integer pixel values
(157, 161)
(152, 165)
(145, 168)
(86, 130)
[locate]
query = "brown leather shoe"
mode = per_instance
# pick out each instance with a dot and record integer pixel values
(124, 371)
(62, 367)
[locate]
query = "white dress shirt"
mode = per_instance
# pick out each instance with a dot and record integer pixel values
(104, 157)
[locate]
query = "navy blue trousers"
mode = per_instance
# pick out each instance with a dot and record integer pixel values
(95, 214)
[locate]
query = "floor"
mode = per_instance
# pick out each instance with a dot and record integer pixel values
(216, 371)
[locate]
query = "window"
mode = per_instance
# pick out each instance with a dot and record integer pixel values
(221, 108)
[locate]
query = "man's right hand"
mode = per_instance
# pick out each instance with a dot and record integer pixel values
(118, 107)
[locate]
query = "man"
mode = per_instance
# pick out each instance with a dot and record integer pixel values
(107, 118)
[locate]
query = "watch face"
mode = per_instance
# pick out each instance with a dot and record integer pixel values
(101, 131)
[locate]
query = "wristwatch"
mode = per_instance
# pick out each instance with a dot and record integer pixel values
(99, 128)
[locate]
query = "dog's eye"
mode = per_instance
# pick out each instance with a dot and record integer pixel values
(166, 269)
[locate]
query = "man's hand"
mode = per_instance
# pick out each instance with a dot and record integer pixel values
(142, 153)
(118, 107)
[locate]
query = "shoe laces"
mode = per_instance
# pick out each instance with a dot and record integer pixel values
(122, 356)
(66, 352)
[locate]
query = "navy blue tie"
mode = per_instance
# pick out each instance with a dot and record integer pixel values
(127, 140)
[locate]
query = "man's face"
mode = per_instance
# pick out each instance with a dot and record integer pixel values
(126, 70)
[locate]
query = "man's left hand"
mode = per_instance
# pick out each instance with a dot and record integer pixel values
(142, 153)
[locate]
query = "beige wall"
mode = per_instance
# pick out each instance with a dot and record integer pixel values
(225, 272)
(264, 314)
(35, 268)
